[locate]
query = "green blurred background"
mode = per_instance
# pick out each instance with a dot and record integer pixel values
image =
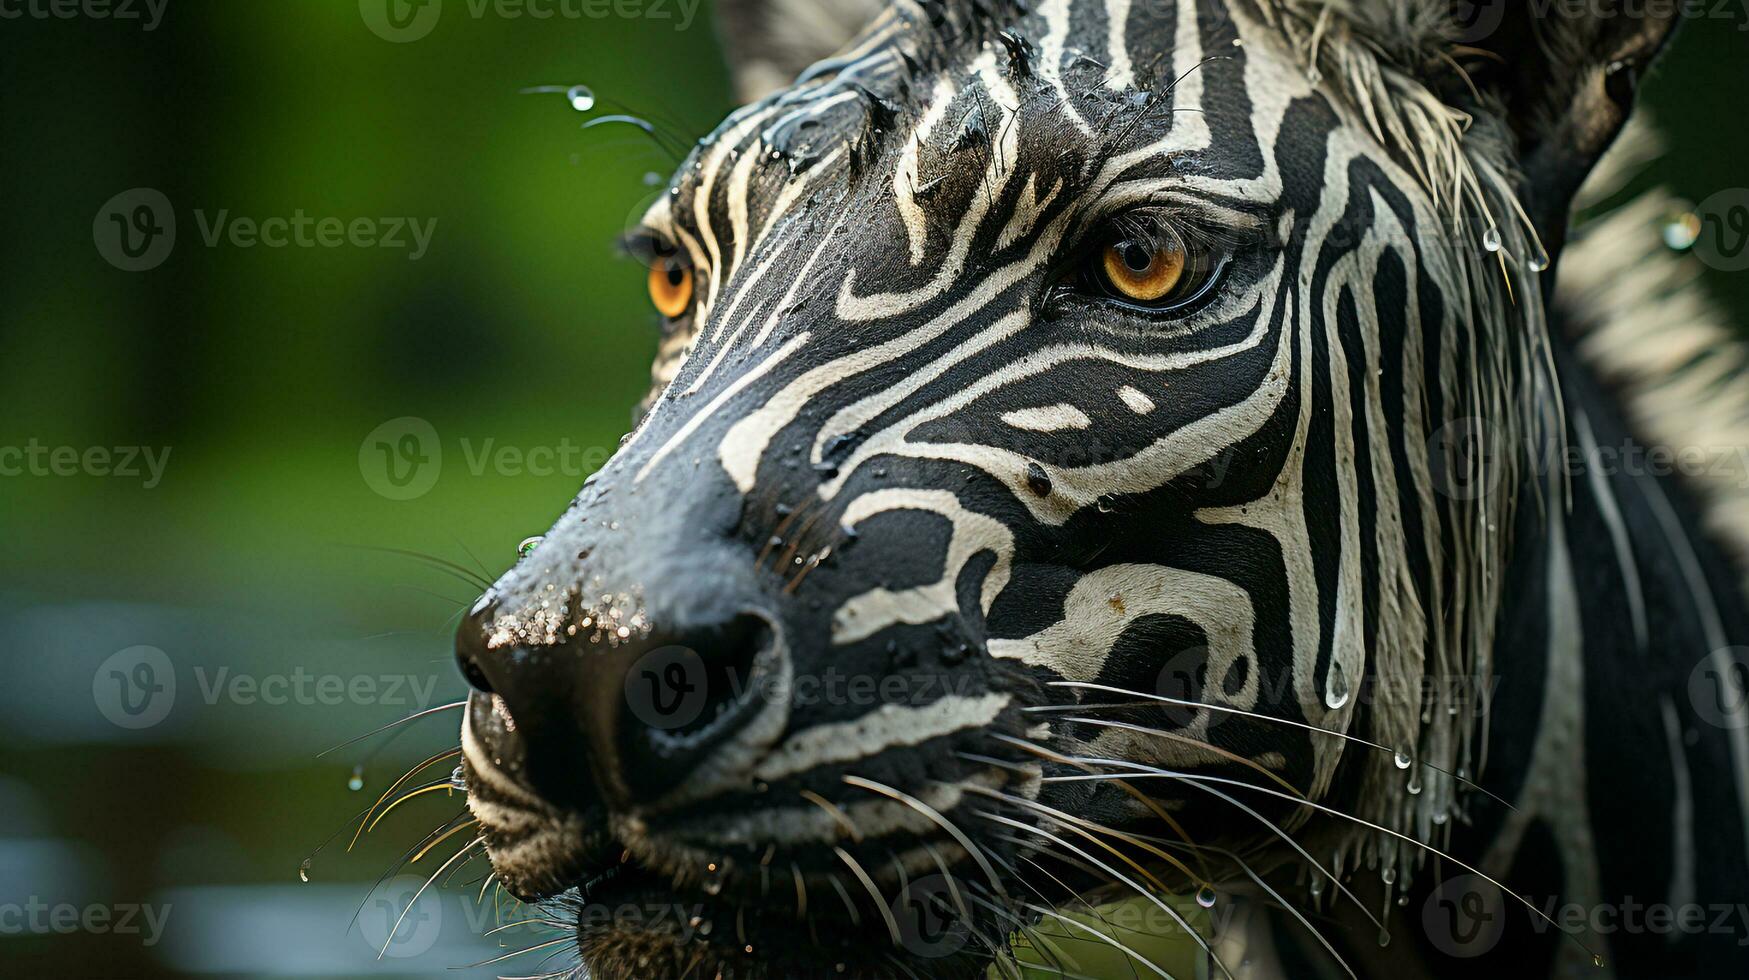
(262, 371)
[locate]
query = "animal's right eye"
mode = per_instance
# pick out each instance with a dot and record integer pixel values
(672, 279)
(671, 284)
(1149, 264)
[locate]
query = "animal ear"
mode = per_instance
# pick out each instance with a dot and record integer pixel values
(1565, 75)
(770, 42)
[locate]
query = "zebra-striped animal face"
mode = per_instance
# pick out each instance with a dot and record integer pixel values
(1027, 381)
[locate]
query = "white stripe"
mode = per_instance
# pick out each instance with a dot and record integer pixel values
(1138, 403)
(890, 726)
(1682, 857)
(1738, 728)
(742, 469)
(1048, 418)
(1618, 532)
(1117, 15)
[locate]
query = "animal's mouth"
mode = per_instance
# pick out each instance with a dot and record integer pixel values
(783, 918)
(644, 904)
(633, 922)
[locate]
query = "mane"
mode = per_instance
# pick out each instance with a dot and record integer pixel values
(1647, 326)
(1395, 68)
(1644, 321)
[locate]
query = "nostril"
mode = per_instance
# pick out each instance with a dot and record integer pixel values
(475, 677)
(471, 670)
(730, 657)
(688, 694)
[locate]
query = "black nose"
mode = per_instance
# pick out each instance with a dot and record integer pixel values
(622, 719)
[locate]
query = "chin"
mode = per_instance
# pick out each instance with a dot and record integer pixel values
(633, 923)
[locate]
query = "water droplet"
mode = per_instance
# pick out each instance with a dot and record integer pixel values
(1596, 959)
(1414, 786)
(1205, 896)
(714, 876)
(1491, 240)
(1388, 875)
(1384, 939)
(1439, 818)
(356, 781)
(1317, 885)
(1336, 686)
(1539, 262)
(1402, 759)
(580, 97)
(528, 545)
(1106, 503)
(1682, 231)
(1403, 901)
(304, 870)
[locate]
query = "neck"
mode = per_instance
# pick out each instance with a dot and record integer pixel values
(1617, 730)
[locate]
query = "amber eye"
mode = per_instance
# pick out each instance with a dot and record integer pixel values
(671, 285)
(1144, 262)
(1145, 272)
